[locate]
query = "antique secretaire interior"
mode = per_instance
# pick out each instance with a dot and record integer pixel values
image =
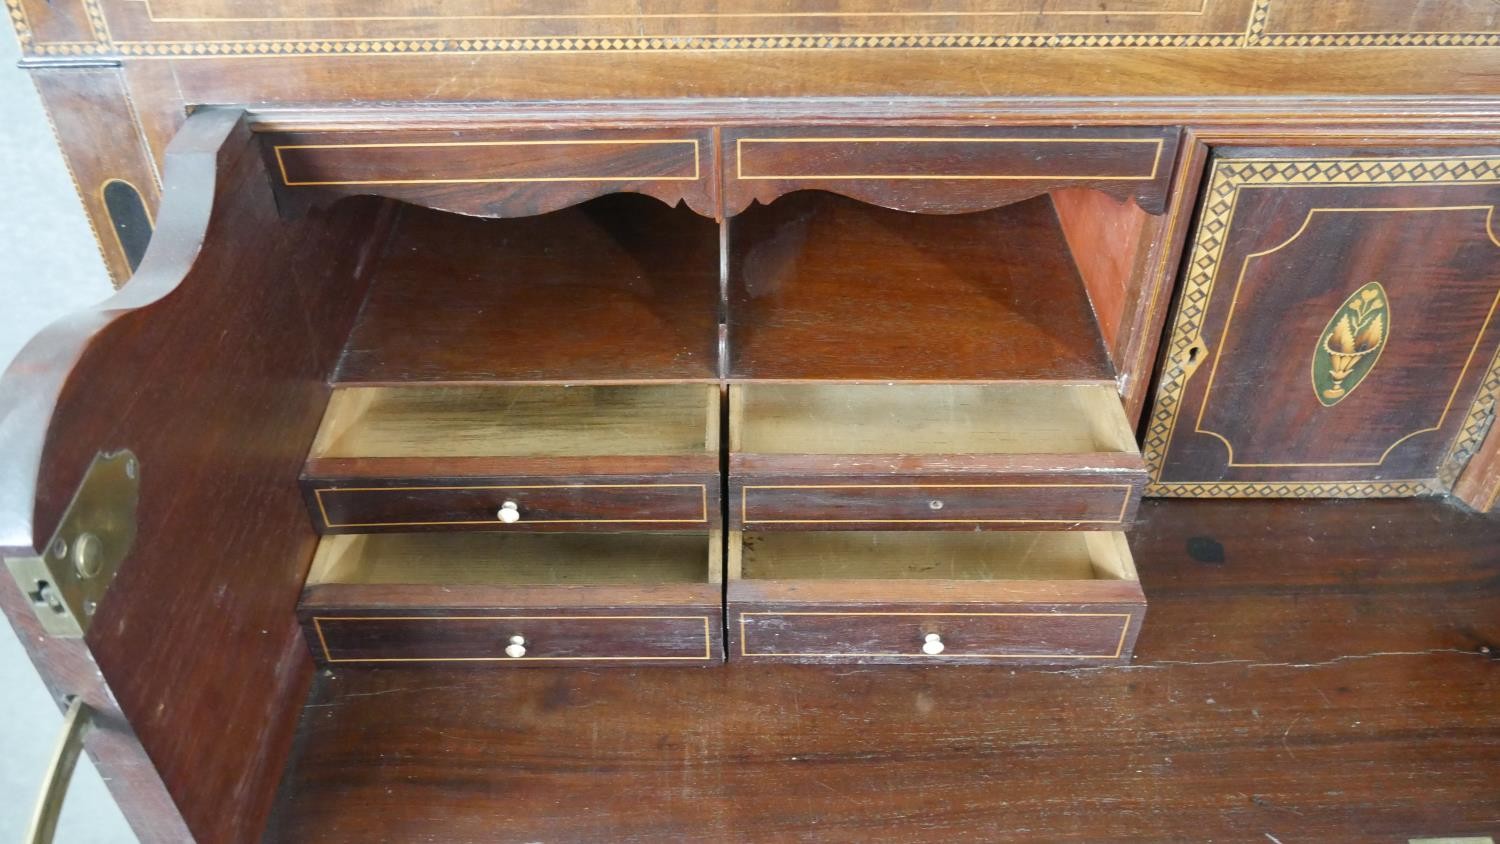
(740, 421)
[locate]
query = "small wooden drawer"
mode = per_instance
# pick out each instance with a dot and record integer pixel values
(881, 597)
(947, 168)
(631, 502)
(495, 172)
(1005, 457)
(520, 599)
(492, 637)
(516, 458)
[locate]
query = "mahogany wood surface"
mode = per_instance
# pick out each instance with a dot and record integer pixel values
(1250, 406)
(87, 105)
(946, 169)
(604, 599)
(433, 498)
(434, 636)
(215, 379)
(1312, 670)
(1072, 633)
(619, 289)
(1111, 242)
(824, 287)
(1051, 495)
(498, 173)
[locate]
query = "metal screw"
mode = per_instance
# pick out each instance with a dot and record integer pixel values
(935, 504)
(59, 548)
(47, 595)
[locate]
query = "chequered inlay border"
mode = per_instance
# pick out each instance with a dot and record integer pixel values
(1225, 182)
(1254, 35)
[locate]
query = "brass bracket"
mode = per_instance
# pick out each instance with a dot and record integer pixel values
(76, 727)
(70, 578)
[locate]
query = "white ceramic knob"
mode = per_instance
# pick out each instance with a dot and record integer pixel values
(510, 512)
(517, 647)
(932, 645)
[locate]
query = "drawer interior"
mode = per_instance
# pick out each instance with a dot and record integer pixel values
(516, 559)
(927, 556)
(520, 421)
(1016, 418)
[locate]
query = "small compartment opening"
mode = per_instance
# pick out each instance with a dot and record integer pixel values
(826, 287)
(517, 559)
(622, 288)
(926, 556)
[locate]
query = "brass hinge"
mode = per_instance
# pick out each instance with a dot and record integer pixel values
(69, 580)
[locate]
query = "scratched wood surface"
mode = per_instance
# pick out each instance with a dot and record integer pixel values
(1312, 671)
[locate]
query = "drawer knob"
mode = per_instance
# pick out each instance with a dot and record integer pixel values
(932, 645)
(517, 647)
(510, 512)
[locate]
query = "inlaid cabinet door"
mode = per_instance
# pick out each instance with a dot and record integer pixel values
(1335, 331)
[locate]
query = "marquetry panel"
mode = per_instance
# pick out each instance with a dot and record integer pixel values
(1359, 23)
(1335, 333)
(198, 28)
(114, 172)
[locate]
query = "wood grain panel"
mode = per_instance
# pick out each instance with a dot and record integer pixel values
(1112, 243)
(606, 599)
(825, 287)
(1039, 634)
(215, 379)
(873, 597)
(1350, 17)
(149, 28)
(432, 501)
(643, 639)
(461, 299)
(945, 169)
(1020, 456)
(1056, 499)
(87, 105)
(497, 174)
(1311, 670)
(1244, 408)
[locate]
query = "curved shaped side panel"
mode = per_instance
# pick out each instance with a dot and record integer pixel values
(210, 364)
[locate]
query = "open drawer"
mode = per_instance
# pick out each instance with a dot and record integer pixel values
(516, 457)
(971, 597)
(1014, 456)
(522, 599)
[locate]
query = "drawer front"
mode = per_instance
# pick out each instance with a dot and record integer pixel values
(602, 506)
(545, 638)
(947, 168)
(502, 173)
(898, 505)
(965, 635)
(1337, 335)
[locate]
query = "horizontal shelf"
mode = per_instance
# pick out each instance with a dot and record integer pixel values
(826, 288)
(520, 421)
(1019, 418)
(929, 556)
(621, 288)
